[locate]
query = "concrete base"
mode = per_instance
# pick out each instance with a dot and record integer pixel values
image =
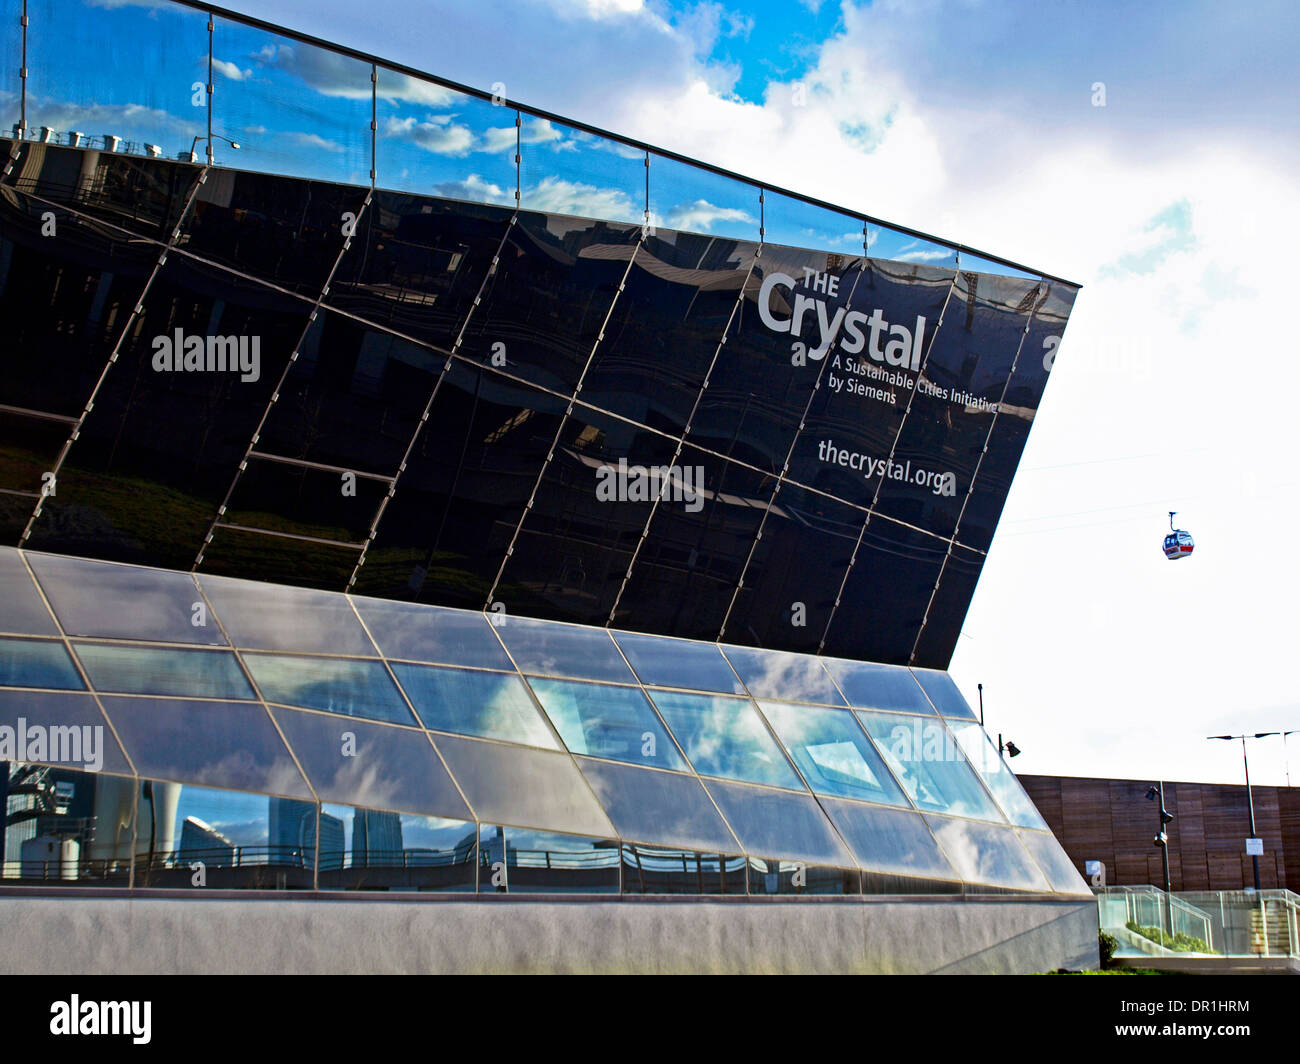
(245, 933)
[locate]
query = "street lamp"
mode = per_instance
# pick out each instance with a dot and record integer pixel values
(1286, 757)
(200, 136)
(1250, 799)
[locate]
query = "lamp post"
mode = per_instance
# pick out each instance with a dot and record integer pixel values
(1250, 799)
(1286, 757)
(1162, 840)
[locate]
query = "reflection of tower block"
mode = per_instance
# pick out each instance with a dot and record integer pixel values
(48, 857)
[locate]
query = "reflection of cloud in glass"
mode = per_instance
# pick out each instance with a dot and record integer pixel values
(230, 70)
(438, 134)
(702, 215)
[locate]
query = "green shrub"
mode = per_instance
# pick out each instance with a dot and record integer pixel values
(1179, 943)
(1106, 948)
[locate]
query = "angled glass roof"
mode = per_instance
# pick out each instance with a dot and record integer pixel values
(684, 783)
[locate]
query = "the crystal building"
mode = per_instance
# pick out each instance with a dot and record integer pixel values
(486, 542)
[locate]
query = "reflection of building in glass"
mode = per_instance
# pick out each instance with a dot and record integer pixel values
(200, 841)
(292, 834)
(376, 838)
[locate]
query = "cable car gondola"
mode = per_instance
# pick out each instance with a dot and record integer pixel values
(1178, 544)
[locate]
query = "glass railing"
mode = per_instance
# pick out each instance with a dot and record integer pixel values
(1231, 923)
(176, 80)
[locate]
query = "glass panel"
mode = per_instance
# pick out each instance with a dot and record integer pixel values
(418, 269)
(519, 861)
(466, 486)
(298, 500)
(969, 261)
(889, 840)
(614, 722)
(870, 686)
(291, 108)
(124, 602)
(885, 242)
(545, 303)
(796, 877)
(219, 744)
(926, 760)
(21, 608)
(985, 854)
(566, 171)
(803, 225)
(885, 594)
(787, 607)
(57, 729)
(789, 677)
(271, 558)
(947, 613)
(654, 870)
(665, 328)
(336, 685)
(659, 807)
(133, 72)
(941, 690)
(373, 849)
(664, 662)
(151, 671)
(591, 504)
(777, 824)
(439, 142)
(657, 870)
(65, 828)
(1019, 406)
(685, 197)
(957, 398)
(564, 650)
(833, 754)
(999, 779)
(281, 230)
(510, 784)
(426, 633)
(266, 617)
(726, 737)
(693, 555)
(764, 378)
(356, 763)
(189, 836)
(492, 705)
(1055, 862)
(37, 663)
(11, 61)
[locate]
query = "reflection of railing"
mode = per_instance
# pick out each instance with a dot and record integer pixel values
(52, 870)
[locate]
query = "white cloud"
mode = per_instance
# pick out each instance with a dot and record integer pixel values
(438, 134)
(230, 70)
(701, 216)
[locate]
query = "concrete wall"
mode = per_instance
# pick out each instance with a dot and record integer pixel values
(245, 934)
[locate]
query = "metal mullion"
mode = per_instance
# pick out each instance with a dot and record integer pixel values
(275, 395)
(208, 88)
(22, 79)
(342, 544)
(559, 429)
(785, 468)
(302, 463)
(428, 406)
(374, 123)
(979, 464)
(686, 428)
(911, 398)
(131, 318)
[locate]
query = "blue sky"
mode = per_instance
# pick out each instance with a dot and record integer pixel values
(1148, 152)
